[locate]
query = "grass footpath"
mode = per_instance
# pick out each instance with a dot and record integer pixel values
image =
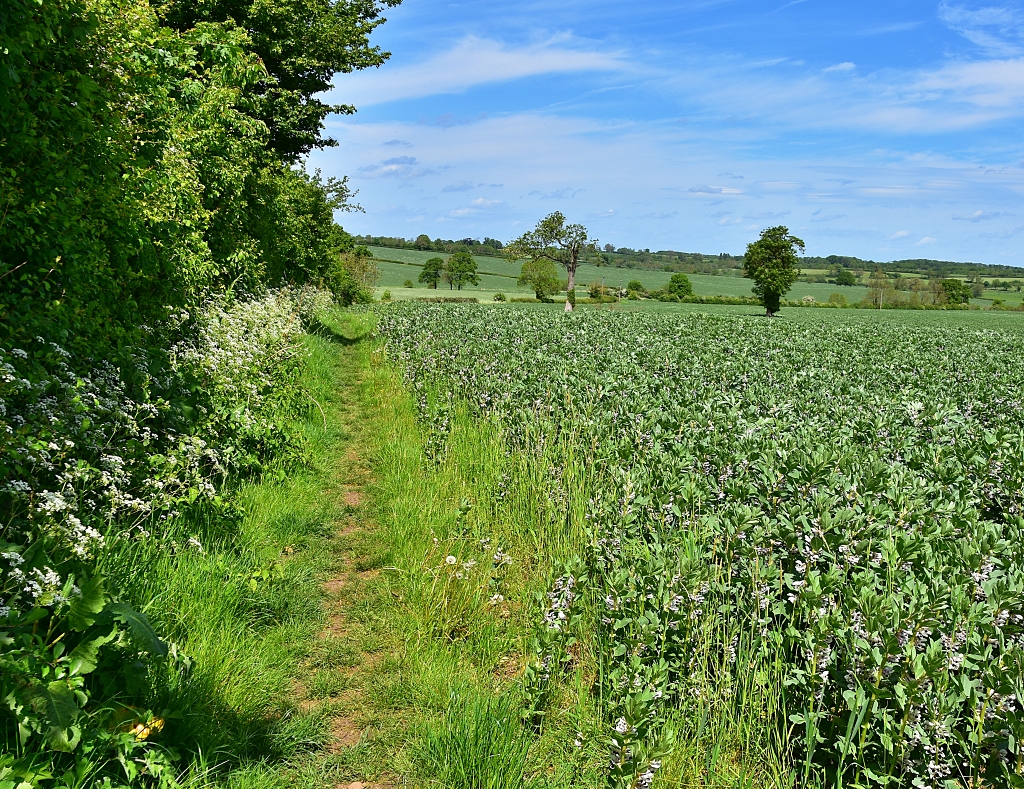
(409, 574)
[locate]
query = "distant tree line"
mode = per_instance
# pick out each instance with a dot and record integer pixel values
(723, 263)
(489, 247)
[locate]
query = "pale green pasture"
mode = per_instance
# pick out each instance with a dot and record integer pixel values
(497, 274)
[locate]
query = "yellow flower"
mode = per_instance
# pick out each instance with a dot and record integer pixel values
(143, 731)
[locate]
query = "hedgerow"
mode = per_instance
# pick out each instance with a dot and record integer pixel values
(149, 197)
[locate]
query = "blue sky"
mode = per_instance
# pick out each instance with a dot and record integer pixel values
(885, 130)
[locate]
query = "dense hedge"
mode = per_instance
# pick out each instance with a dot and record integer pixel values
(150, 194)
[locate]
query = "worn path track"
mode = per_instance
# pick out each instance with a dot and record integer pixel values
(341, 673)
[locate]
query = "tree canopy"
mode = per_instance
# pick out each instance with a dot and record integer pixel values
(147, 155)
(432, 272)
(541, 276)
(556, 241)
(846, 277)
(302, 44)
(461, 270)
(957, 291)
(772, 263)
(679, 285)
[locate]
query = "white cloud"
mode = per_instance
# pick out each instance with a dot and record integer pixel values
(472, 61)
(979, 216)
(847, 66)
(900, 234)
(704, 189)
(404, 167)
(996, 29)
(574, 164)
(926, 240)
(953, 96)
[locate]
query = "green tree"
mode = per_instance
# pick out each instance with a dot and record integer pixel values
(302, 44)
(680, 286)
(956, 290)
(461, 270)
(541, 276)
(432, 271)
(771, 262)
(635, 286)
(846, 277)
(558, 242)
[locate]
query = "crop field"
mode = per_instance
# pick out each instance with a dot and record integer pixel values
(798, 542)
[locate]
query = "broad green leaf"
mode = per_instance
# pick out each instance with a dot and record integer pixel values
(57, 705)
(84, 608)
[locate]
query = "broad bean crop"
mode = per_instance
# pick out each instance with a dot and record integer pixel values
(818, 526)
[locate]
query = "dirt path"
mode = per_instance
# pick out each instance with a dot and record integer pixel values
(348, 652)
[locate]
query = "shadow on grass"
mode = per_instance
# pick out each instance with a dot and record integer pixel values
(343, 328)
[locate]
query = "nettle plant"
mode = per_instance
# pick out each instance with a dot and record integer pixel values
(815, 531)
(113, 454)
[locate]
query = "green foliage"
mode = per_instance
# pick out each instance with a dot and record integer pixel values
(500, 297)
(846, 277)
(432, 272)
(478, 744)
(408, 284)
(772, 263)
(854, 605)
(145, 206)
(347, 278)
(541, 276)
(302, 44)
(635, 286)
(557, 242)
(957, 291)
(838, 299)
(460, 269)
(679, 285)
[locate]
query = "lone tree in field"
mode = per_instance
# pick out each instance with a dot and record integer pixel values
(771, 262)
(680, 286)
(541, 276)
(431, 273)
(461, 270)
(558, 242)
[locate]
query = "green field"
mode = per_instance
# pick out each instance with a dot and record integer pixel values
(497, 274)
(764, 538)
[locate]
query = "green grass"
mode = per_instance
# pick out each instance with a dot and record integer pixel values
(241, 604)
(497, 274)
(426, 665)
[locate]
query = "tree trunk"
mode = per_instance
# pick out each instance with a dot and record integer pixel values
(570, 286)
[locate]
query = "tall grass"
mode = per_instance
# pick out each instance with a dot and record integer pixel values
(479, 743)
(237, 593)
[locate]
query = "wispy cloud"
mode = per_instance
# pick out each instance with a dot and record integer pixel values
(704, 189)
(981, 216)
(473, 61)
(847, 66)
(404, 167)
(998, 30)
